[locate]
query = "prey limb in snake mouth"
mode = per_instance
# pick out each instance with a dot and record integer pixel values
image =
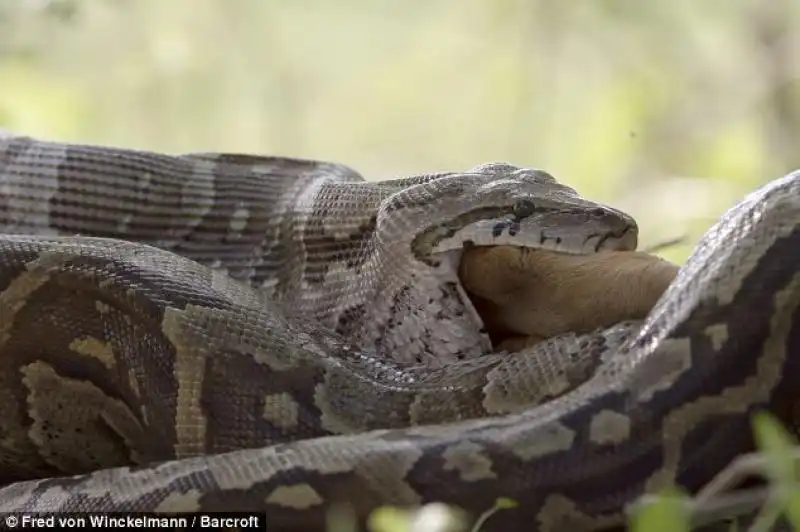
(527, 295)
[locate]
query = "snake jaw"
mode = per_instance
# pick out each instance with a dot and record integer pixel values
(584, 230)
(627, 240)
(448, 270)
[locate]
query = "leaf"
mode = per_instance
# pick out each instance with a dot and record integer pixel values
(777, 445)
(669, 513)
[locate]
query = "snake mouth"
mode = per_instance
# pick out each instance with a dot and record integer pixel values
(442, 248)
(625, 240)
(485, 313)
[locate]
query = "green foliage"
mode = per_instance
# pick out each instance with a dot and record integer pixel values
(779, 449)
(431, 518)
(502, 503)
(668, 514)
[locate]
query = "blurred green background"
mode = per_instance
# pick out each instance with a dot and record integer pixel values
(671, 111)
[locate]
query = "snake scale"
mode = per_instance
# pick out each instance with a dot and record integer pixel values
(237, 332)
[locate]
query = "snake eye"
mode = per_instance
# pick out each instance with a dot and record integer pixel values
(524, 208)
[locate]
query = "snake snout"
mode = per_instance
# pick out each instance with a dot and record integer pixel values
(620, 231)
(627, 239)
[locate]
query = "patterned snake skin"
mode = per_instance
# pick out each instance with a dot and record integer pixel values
(233, 332)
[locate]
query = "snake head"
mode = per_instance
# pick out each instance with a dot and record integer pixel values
(501, 204)
(430, 220)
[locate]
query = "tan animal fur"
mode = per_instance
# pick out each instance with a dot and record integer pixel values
(526, 295)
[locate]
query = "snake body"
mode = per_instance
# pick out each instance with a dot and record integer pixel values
(247, 333)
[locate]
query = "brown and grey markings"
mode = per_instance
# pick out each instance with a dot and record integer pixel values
(734, 399)
(189, 372)
(608, 427)
(71, 414)
(281, 410)
(558, 513)
(718, 334)
(469, 460)
(661, 373)
(94, 348)
(180, 502)
(297, 496)
(554, 438)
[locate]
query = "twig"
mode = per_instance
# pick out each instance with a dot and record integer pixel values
(660, 246)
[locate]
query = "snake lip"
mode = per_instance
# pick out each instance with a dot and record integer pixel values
(625, 240)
